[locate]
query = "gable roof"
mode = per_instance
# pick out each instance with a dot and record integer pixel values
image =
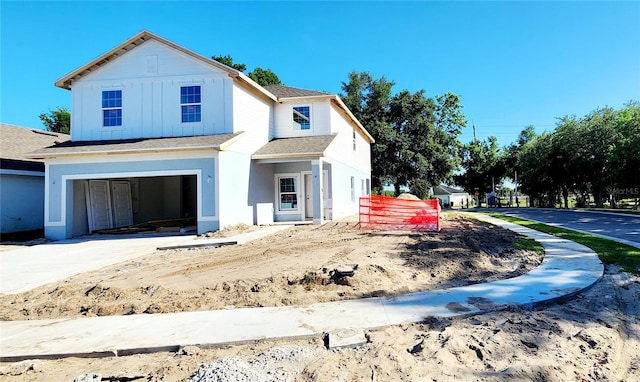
(142, 37)
(300, 147)
(16, 141)
(288, 93)
(217, 142)
(277, 93)
(444, 190)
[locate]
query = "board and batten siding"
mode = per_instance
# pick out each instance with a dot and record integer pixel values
(319, 115)
(150, 78)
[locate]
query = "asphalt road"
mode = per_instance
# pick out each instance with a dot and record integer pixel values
(620, 226)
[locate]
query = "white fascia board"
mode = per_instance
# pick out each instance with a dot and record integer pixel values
(132, 157)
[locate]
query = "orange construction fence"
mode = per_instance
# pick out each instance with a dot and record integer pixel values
(387, 213)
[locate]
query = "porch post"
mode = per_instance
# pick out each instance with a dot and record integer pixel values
(316, 172)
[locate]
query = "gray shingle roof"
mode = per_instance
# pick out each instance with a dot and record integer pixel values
(282, 91)
(444, 190)
(215, 142)
(313, 146)
(16, 141)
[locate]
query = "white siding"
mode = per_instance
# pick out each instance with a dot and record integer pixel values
(342, 203)
(320, 119)
(253, 116)
(233, 185)
(341, 149)
(150, 77)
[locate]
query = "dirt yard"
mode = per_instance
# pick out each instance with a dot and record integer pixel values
(594, 337)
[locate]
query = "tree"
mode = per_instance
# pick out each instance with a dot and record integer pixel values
(535, 168)
(228, 60)
(625, 155)
(368, 100)
(416, 137)
(263, 77)
(58, 120)
(481, 165)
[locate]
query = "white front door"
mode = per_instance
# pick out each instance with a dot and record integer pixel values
(121, 202)
(308, 195)
(99, 205)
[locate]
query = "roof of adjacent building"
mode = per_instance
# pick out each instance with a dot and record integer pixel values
(299, 147)
(17, 141)
(216, 142)
(444, 190)
(282, 91)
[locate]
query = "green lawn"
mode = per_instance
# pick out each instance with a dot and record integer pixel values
(609, 251)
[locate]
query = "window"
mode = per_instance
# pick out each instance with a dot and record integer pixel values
(288, 193)
(112, 108)
(354, 139)
(190, 104)
(353, 189)
(301, 119)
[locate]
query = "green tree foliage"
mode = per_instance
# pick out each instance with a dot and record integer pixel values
(416, 137)
(263, 77)
(228, 60)
(482, 165)
(58, 120)
(594, 157)
(368, 100)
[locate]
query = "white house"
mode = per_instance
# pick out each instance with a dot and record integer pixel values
(160, 132)
(22, 180)
(451, 197)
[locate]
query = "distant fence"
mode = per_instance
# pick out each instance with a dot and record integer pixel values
(387, 213)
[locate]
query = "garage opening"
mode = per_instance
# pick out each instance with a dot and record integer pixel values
(163, 204)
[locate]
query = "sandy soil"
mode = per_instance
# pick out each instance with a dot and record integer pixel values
(593, 337)
(292, 267)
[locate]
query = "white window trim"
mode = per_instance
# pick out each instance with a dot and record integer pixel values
(353, 189)
(354, 139)
(293, 124)
(180, 105)
(102, 109)
(276, 183)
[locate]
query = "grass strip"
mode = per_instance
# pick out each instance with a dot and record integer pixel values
(609, 251)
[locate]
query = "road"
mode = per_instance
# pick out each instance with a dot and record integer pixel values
(619, 226)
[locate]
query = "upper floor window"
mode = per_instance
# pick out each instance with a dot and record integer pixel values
(301, 118)
(190, 103)
(354, 139)
(112, 108)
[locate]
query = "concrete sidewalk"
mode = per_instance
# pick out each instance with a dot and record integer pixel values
(567, 269)
(30, 267)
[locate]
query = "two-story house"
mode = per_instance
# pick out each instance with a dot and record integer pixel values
(160, 132)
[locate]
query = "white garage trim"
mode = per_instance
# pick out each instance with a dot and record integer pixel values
(136, 174)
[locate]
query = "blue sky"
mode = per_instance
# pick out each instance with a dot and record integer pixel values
(512, 63)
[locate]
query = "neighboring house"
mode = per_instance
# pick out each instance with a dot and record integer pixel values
(451, 197)
(160, 132)
(22, 180)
